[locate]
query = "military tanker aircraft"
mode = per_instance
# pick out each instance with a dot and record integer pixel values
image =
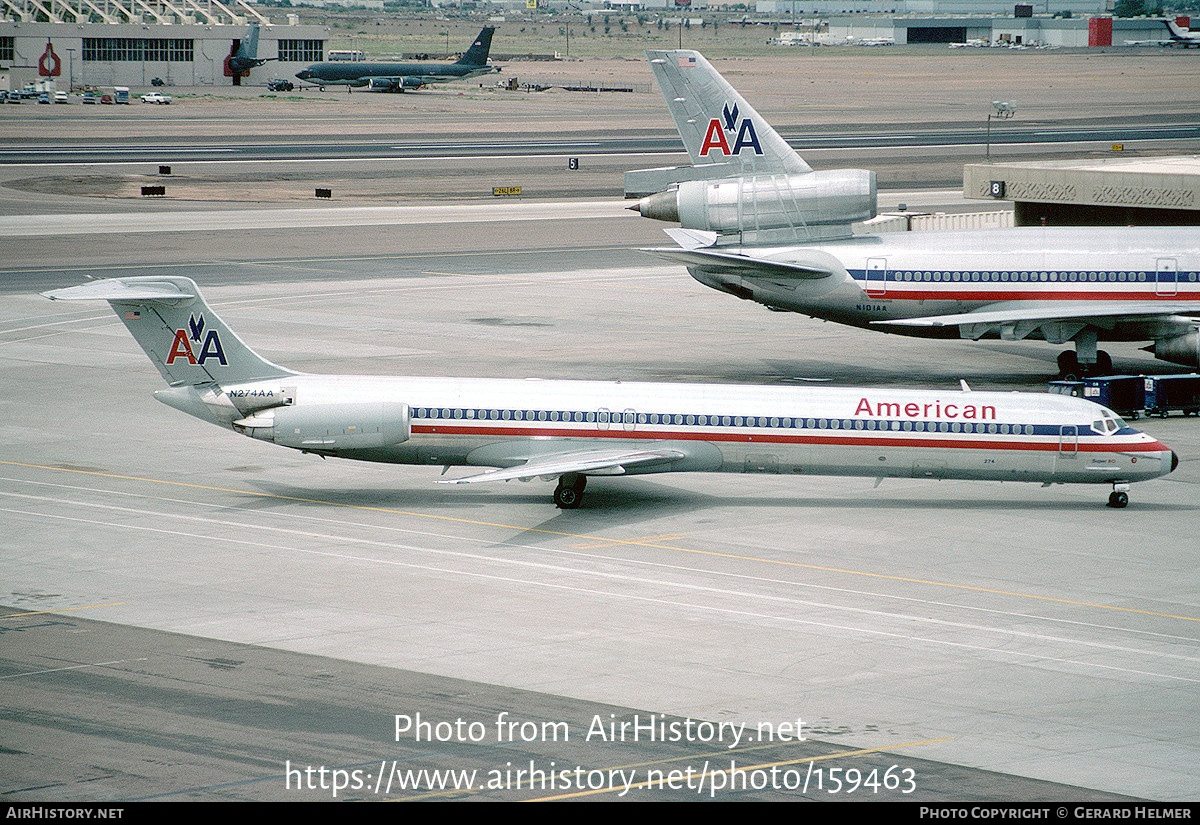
(397, 77)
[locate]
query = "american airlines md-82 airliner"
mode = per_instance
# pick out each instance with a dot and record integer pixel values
(568, 430)
(757, 222)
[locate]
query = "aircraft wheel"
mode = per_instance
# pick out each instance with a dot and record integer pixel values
(1118, 500)
(569, 493)
(1068, 365)
(567, 498)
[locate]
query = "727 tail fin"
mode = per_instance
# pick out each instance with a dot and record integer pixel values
(716, 123)
(170, 319)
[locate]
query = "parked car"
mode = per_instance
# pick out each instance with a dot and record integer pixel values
(44, 97)
(279, 85)
(156, 97)
(89, 97)
(61, 97)
(106, 99)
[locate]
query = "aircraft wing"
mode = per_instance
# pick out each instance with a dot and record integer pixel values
(741, 264)
(1098, 312)
(599, 461)
(1064, 319)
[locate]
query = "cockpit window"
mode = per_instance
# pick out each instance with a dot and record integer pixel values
(1108, 424)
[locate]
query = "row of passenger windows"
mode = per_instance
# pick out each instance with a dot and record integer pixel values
(1001, 277)
(630, 417)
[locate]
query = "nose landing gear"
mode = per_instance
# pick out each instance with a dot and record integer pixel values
(1119, 497)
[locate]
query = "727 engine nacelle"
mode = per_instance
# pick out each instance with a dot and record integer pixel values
(770, 207)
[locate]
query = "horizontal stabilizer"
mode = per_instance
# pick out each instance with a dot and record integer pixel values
(598, 461)
(741, 264)
(177, 329)
(114, 289)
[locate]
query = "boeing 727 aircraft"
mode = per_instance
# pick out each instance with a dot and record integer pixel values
(396, 77)
(568, 430)
(761, 225)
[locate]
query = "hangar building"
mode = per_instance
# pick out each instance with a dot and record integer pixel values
(130, 42)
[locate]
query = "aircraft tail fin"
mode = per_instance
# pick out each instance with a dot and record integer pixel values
(716, 123)
(477, 55)
(169, 318)
(248, 48)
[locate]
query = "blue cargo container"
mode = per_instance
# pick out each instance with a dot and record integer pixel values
(1123, 394)
(1071, 388)
(1165, 393)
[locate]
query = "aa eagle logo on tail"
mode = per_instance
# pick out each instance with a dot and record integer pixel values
(715, 139)
(181, 347)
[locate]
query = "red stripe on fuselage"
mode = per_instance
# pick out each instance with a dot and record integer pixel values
(900, 291)
(967, 441)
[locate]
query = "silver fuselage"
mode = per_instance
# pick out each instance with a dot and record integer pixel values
(713, 428)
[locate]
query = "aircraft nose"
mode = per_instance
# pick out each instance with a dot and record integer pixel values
(304, 74)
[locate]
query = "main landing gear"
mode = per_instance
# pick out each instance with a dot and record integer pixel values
(1086, 359)
(569, 493)
(1071, 368)
(1119, 497)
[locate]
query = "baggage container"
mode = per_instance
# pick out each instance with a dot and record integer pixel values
(1071, 388)
(1165, 393)
(1123, 394)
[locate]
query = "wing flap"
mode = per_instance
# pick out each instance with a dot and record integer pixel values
(595, 461)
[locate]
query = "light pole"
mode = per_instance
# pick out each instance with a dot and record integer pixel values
(567, 9)
(1004, 110)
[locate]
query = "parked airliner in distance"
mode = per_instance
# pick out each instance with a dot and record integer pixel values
(1181, 36)
(396, 77)
(758, 223)
(568, 430)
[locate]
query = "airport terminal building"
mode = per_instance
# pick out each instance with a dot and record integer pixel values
(102, 43)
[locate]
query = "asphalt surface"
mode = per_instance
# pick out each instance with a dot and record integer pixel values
(181, 149)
